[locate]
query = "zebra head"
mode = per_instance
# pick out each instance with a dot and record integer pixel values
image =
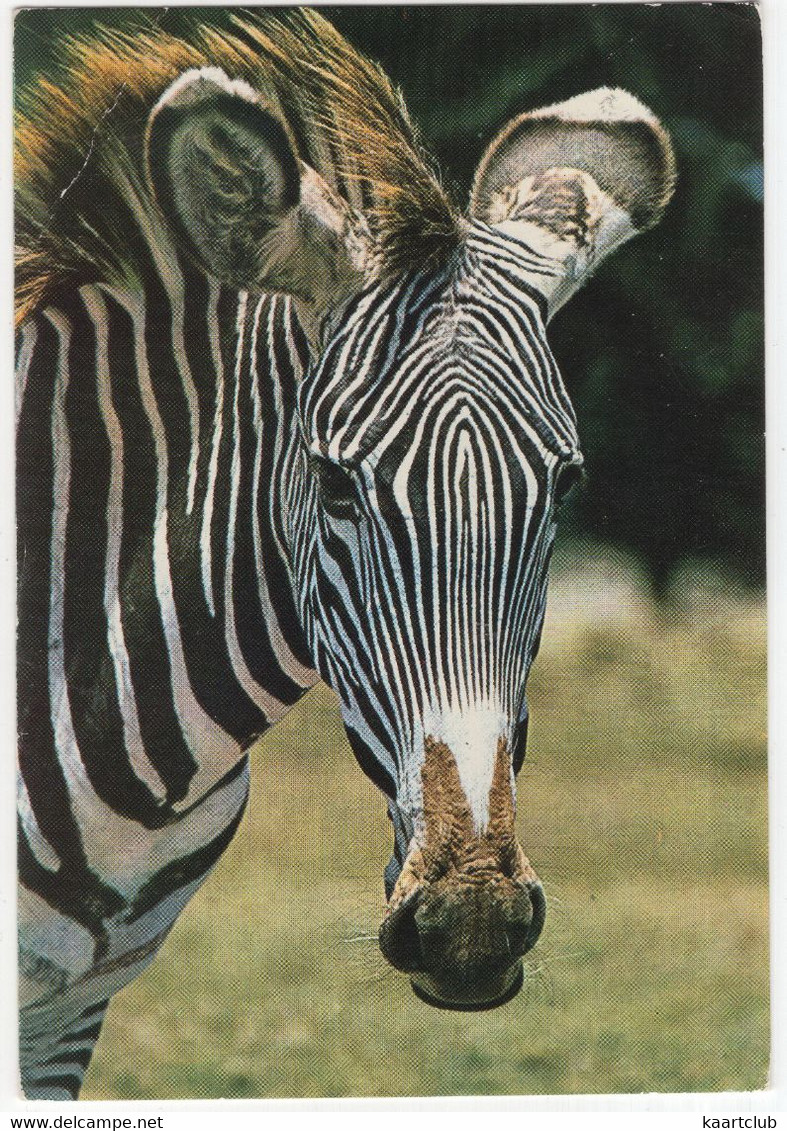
(434, 440)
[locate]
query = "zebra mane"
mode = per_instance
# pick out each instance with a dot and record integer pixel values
(79, 162)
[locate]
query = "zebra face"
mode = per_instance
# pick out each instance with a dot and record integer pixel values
(438, 437)
(435, 437)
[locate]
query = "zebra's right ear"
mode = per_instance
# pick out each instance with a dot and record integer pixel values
(574, 181)
(224, 172)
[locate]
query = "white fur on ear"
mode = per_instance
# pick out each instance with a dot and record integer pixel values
(194, 85)
(224, 172)
(606, 104)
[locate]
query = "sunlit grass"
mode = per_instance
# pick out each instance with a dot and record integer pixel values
(642, 806)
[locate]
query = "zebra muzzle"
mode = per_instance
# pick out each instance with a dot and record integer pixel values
(467, 905)
(461, 939)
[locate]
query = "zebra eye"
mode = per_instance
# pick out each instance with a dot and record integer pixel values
(336, 486)
(567, 479)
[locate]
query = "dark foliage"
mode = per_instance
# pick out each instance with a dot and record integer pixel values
(662, 352)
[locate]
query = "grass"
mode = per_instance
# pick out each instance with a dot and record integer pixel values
(643, 808)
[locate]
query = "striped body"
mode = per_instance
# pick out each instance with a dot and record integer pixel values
(158, 636)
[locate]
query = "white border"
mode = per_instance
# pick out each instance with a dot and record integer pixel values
(554, 1111)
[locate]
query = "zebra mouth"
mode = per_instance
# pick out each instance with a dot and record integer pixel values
(483, 981)
(432, 992)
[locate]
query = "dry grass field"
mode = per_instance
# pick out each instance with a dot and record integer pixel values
(642, 806)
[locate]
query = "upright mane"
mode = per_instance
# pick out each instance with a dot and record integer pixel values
(81, 194)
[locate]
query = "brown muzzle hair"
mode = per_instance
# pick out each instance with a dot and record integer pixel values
(467, 904)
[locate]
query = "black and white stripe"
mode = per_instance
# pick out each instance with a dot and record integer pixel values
(440, 404)
(157, 626)
(186, 561)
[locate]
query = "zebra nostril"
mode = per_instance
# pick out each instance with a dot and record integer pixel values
(517, 938)
(399, 939)
(539, 905)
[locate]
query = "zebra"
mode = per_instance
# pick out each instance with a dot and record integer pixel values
(284, 413)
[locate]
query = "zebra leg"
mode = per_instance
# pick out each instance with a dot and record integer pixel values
(58, 1030)
(68, 973)
(58, 1074)
(61, 1010)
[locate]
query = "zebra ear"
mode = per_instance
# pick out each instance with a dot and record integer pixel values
(574, 181)
(224, 171)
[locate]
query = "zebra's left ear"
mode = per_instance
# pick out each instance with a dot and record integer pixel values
(225, 173)
(574, 181)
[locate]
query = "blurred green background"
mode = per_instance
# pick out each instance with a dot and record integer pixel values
(643, 800)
